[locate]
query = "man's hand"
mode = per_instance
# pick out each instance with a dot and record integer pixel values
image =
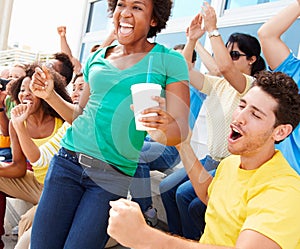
(62, 30)
(126, 223)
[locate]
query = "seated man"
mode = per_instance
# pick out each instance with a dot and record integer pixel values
(254, 199)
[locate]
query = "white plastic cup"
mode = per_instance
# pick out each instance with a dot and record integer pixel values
(142, 94)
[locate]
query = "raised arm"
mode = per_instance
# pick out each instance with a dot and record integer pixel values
(222, 57)
(274, 49)
(65, 48)
(42, 86)
(208, 61)
(19, 115)
(109, 39)
(193, 34)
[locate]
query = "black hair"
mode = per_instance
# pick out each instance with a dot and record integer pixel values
(161, 14)
(66, 68)
(251, 47)
(59, 87)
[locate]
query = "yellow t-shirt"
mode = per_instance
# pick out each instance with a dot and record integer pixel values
(266, 200)
(40, 172)
(222, 100)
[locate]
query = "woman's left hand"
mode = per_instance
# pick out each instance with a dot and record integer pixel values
(159, 122)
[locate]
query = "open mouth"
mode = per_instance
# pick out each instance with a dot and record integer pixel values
(126, 28)
(26, 101)
(235, 134)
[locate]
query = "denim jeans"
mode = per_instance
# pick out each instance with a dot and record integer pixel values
(179, 199)
(5, 155)
(74, 207)
(154, 156)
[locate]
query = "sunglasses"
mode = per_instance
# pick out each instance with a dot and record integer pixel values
(235, 55)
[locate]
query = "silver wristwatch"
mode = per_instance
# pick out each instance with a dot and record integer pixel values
(215, 33)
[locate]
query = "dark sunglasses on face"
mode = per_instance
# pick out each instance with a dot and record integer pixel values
(235, 55)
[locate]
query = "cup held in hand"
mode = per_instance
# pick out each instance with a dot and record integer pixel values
(142, 94)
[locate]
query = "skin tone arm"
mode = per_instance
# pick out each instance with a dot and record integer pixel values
(274, 49)
(127, 225)
(42, 86)
(199, 177)
(225, 64)
(196, 78)
(207, 60)
(18, 166)
(109, 39)
(65, 48)
(19, 115)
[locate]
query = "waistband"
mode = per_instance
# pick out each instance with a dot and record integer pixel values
(85, 160)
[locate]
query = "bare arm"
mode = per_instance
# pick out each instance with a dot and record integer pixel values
(18, 116)
(225, 64)
(274, 49)
(18, 166)
(193, 34)
(208, 61)
(198, 175)
(127, 225)
(42, 86)
(65, 48)
(109, 39)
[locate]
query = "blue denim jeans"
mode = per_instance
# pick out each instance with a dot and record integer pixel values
(74, 207)
(154, 156)
(5, 154)
(179, 199)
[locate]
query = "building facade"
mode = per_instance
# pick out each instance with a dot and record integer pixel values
(233, 16)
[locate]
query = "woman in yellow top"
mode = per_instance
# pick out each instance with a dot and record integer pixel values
(34, 127)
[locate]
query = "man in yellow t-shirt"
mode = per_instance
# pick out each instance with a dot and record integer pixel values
(254, 199)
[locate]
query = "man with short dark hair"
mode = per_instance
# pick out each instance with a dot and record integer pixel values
(254, 199)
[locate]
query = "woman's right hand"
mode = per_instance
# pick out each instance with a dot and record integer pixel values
(195, 31)
(42, 83)
(19, 114)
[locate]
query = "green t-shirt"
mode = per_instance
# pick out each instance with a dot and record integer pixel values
(106, 128)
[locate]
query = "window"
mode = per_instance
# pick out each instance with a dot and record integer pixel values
(184, 8)
(98, 16)
(232, 4)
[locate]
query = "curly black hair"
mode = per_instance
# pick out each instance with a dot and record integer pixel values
(286, 93)
(66, 67)
(161, 13)
(59, 87)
